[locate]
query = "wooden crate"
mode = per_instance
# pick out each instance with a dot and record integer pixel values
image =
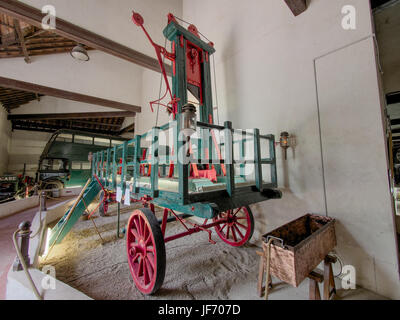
(306, 242)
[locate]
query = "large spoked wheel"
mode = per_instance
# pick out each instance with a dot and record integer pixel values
(146, 251)
(238, 227)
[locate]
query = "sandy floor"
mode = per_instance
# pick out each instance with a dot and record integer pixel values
(196, 269)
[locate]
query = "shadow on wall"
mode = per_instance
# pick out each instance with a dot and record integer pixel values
(351, 253)
(291, 156)
(232, 82)
(272, 214)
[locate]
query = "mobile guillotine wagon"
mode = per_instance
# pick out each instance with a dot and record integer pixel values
(189, 166)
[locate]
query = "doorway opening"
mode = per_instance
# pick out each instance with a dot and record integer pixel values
(386, 17)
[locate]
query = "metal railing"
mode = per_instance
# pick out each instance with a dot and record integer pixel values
(123, 166)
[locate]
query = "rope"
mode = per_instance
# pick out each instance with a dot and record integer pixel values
(25, 267)
(216, 90)
(268, 265)
(188, 23)
(161, 82)
(215, 74)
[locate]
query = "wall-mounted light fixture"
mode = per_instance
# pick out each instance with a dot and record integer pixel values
(79, 53)
(284, 142)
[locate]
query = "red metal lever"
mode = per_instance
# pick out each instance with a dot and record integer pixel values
(139, 21)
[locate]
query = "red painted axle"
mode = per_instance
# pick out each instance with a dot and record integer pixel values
(193, 230)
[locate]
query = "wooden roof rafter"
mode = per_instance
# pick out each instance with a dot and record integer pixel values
(20, 39)
(34, 16)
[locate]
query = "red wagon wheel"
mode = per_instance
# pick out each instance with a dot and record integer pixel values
(238, 227)
(146, 251)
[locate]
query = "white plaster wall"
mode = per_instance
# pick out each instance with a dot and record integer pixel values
(104, 76)
(5, 132)
(26, 148)
(266, 79)
(146, 120)
(356, 171)
(387, 23)
(113, 19)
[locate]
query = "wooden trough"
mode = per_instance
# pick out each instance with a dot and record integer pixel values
(298, 247)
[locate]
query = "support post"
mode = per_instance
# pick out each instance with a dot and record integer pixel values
(257, 161)
(329, 280)
(118, 218)
(43, 198)
(114, 173)
(272, 155)
(123, 167)
(107, 168)
(230, 171)
(136, 170)
(154, 162)
(23, 237)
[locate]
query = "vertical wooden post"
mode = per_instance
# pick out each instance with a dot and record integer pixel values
(261, 271)
(94, 164)
(314, 279)
(102, 166)
(242, 151)
(314, 293)
(123, 167)
(229, 165)
(155, 162)
(107, 168)
(136, 159)
(257, 160)
(114, 175)
(272, 155)
(329, 280)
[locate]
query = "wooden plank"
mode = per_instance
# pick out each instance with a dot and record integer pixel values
(257, 159)
(45, 127)
(95, 123)
(230, 170)
(53, 92)
(22, 40)
(297, 6)
(57, 116)
(68, 30)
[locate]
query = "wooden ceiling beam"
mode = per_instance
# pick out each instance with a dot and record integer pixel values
(21, 40)
(17, 98)
(68, 30)
(297, 6)
(15, 95)
(95, 123)
(7, 25)
(46, 127)
(395, 131)
(60, 116)
(35, 52)
(62, 94)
